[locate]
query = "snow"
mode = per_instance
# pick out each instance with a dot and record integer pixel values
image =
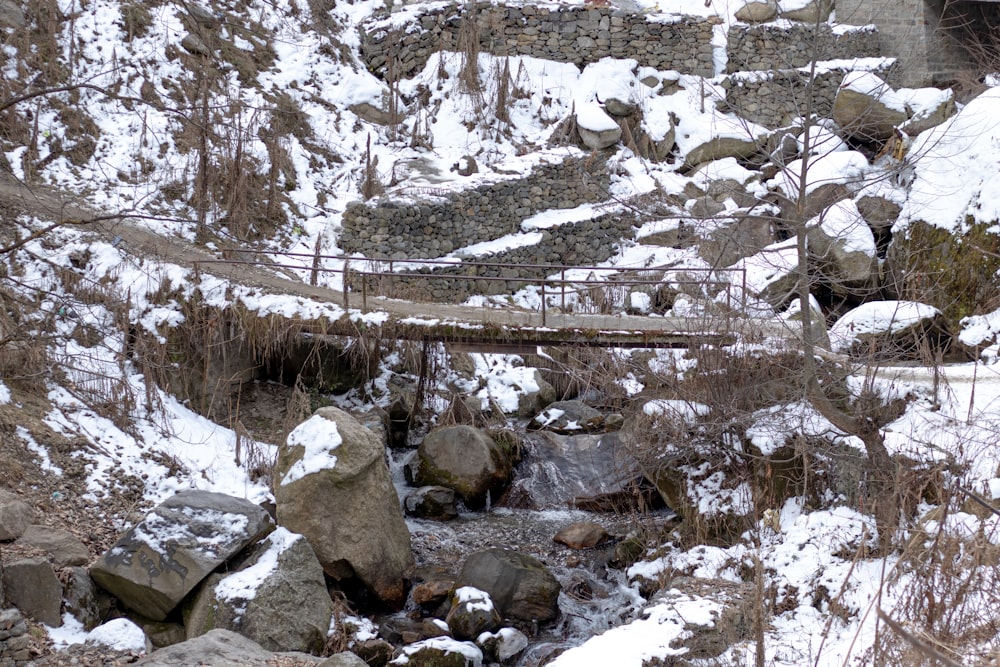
(319, 437)
(634, 644)
(955, 173)
(843, 222)
(591, 117)
(869, 84)
(241, 587)
(119, 634)
(474, 599)
(950, 176)
(878, 317)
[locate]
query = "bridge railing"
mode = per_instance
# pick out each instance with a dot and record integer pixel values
(603, 289)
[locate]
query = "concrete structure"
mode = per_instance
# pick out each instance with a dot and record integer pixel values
(929, 37)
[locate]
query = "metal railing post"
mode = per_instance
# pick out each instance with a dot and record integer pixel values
(543, 302)
(347, 271)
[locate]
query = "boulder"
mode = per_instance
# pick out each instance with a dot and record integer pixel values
(879, 212)
(62, 546)
(332, 486)
(30, 585)
(932, 115)
(472, 613)
(502, 646)
(520, 586)
(866, 109)
(769, 275)
(11, 14)
(721, 147)
(843, 247)
(81, 596)
(597, 129)
(535, 396)
(568, 417)
(371, 113)
(345, 659)
(891, 330)
(180, 542)
(811, 12)
(404, 630)
(221, 648)
(729, 243)
(440, 652)
(119, 634)
(431, 502)
(582, 535)
(757, 12)
(195, 45)
(559, 471)
(464, 459)
(15, 516)
(278, 598)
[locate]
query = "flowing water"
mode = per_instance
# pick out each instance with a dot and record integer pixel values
(595, 596)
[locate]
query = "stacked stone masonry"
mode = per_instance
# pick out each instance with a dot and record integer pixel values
(432, 227)
(575, 34)
(773, 46)
(774, 99)
(15, 642)
(582, 243)
(583, 35)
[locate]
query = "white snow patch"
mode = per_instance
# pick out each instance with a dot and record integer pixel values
(319, 437)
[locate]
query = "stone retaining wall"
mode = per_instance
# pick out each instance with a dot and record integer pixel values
(431, 227)
(583, 243)
(790, 45)
(574, 34)
(15, 642)
(772, 99)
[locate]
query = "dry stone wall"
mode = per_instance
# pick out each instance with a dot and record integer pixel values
(433, 226)
(575, 34)
(773, 99)
(582, 243)
(775, 46)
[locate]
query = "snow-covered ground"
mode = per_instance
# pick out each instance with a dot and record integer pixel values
(951, 177)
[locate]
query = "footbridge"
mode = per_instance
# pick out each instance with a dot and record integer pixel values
(587, 306)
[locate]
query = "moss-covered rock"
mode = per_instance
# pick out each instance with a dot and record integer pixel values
(957, 273)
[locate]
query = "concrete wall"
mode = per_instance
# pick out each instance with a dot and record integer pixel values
(928, 50)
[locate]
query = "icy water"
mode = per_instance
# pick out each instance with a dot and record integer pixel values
(594, 597)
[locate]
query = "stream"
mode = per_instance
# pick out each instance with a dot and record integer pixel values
(595, 596)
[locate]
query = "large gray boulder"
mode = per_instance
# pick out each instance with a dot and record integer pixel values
(558, 471)
(865, 108)
(843, 246)
(721, 147)
(520, 586)
(222, 648)
(180, 542)
(569, 417)
(30, 585)
(597, 129)
(62, 547)
(811, 12)
(332, 485)
(472, 613)
(891, 330)
(464, 459)
(278, 598)
(757, 12)
(15, 516)
(440, 652)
